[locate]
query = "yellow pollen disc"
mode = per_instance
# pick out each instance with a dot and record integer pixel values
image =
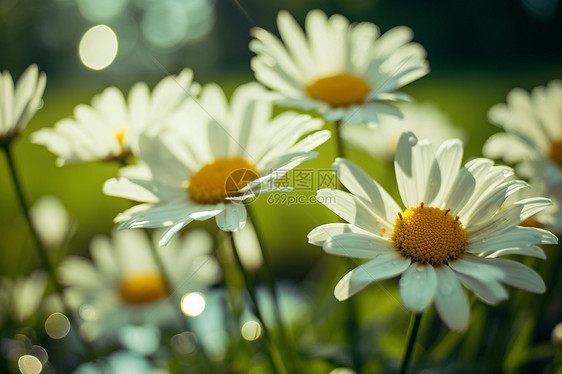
(145, 288)
(219, 179)
(429, 235)
(340, 90)
(555, 152)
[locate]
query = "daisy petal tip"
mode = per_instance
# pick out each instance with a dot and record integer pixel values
(340, 294)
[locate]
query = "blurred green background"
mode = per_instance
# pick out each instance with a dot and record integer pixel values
(478, 52)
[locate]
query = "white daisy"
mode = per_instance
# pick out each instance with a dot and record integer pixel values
(110, 128)
(426, 119)
(18, 104)
(549, 218)
(122, 284)
(533, 132)
(215, 154)
(448, 236)
(345, 72)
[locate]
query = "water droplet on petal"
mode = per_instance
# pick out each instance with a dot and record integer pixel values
(412, 140)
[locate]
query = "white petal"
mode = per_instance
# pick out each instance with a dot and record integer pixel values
(418, 286)
(519, 275)
(450, 300)
(449, 157)
(383, 267)
(324, 232)
(358, 245)
(508, 217)
(172, 230)
(465, 184)
(353, 210)
(515, 237)
(360, 184)
(531, 251)
(481, 279)
(122, 187)
(413, 163)
(233, 218)
(161, 215)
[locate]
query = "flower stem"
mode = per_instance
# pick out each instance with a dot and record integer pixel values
(250, 286)
(286, 341)
(339, 139)
(41, 250)
(412, 335)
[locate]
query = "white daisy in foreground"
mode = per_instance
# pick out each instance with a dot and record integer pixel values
(18, 104)
(214, 156)
(425, 119)
(122, 284)
(448, 236)
(533, 132)
(110, 127)
(345, 72)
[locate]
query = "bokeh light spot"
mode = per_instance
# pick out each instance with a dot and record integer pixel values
(40, 353)
(29, 364)
(183, 343)
(98, 47)
(57, 326)
(193, 304)
(88, 312)
(251, 330)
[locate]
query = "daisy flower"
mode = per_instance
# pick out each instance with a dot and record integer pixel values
(533, 132)
(450, 233)
(122, 284)
(18, 104)
(109, 129)
(345, 72)
(549, 218)
(213, 157)
(426, 119)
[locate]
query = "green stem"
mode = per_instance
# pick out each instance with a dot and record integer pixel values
(250, 286)
(25, 208)
(339, 139)
(412, 335)
(286, 341)
(41, 251)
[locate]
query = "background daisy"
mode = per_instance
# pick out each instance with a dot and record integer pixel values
(212, 155)
(18, 104)
(532, 125)
(426, 119)
(448, 236)
(110, 127)
(345, 72)
(122, 284)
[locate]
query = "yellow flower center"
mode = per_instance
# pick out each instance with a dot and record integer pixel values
(137, 289)
(340, 90)
(120, 134)
(220, 179)
(429, 235)
(555, 152)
